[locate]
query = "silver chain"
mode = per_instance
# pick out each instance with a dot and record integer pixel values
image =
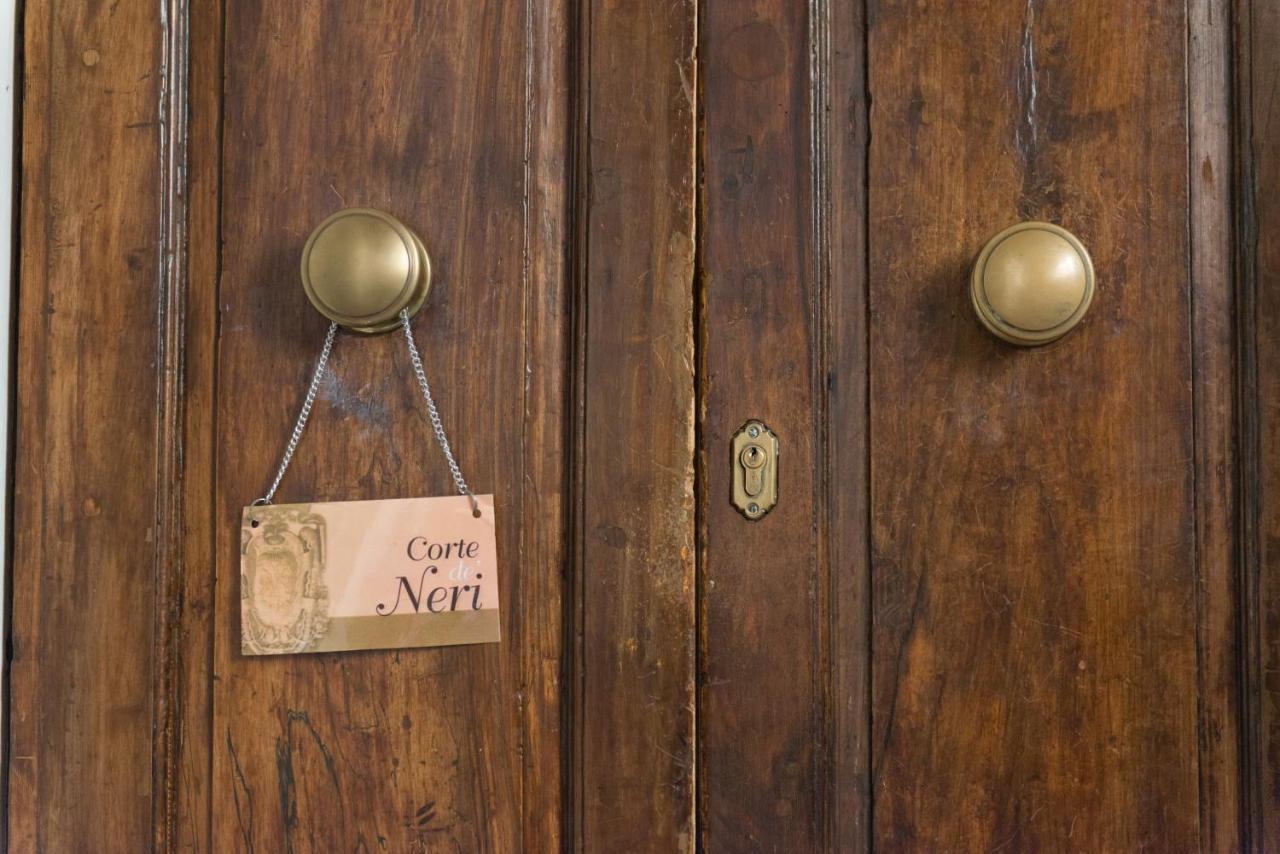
(301, 423)
(314, 388)
(421, 374)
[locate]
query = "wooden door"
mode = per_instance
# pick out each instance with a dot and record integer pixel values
(1010, 599)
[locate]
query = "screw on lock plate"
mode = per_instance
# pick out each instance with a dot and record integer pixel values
(755, 469)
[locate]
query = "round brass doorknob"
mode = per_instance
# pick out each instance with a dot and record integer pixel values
(362, 267)
(1032, 283)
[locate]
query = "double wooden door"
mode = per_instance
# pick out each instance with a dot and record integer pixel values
(1009, 600)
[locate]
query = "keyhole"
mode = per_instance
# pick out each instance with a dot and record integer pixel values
(753, 477)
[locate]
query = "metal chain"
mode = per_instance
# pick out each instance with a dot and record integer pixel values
(434, 414)
(301, 424)
(436, 426)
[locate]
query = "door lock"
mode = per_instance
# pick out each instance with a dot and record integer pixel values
(755, 469)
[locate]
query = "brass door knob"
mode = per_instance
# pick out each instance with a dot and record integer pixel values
(1032, 283)
(362, 267)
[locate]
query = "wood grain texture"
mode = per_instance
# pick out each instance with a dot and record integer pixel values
(1034, 534)
(444, 116)
(760, 701)
(187, 823)
(1011, 600)
(89, 503)
(172, 419)
(1214, 340)
(840, 36)
(1259, 100)
(635, 617)
(782, 711)
(544, 555)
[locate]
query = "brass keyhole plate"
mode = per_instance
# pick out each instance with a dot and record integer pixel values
(754, 460)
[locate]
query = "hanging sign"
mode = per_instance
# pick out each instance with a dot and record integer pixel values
(349, 575)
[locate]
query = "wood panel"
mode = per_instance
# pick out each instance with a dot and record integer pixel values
(187, 822)
(761, 633)
(1215, 339)
(1058, 554)
(1259, 82)
(840, 35)
(635, 502)
(93, 506)
(450, 116)
(545, 553)
(1033, 526)
(782, 711)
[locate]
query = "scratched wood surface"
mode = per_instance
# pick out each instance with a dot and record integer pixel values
(762, 631)
(1033, 511)
(451, 117)
(1260, 271)
(783, 653)
(1014, 600)
(90, 505)
(1224, 782)
(634, 708)
(186, 823)
(842, 109)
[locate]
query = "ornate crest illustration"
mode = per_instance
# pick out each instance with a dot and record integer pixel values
(284, 605)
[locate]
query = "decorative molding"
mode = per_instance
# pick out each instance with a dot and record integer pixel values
(171, 310)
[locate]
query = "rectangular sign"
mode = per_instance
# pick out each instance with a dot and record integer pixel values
(348, 575)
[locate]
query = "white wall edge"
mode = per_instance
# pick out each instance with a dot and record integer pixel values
(8, 121)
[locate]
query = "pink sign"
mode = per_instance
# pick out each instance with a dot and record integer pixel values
(349, 575)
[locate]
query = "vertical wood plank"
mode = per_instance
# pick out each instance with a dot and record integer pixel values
(1214, 342)
(544, 543)
(635, 618)
(188, 824)
(1259, 80)
(783, 695)
(843, 241)
(88, 507)
(1034, 536)
(761, 636)
(443, 115)
(171, 537)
